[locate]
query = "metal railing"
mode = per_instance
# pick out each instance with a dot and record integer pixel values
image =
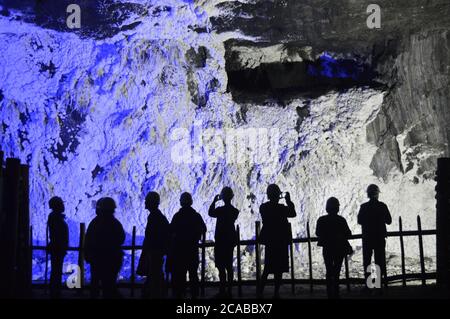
(239, 282)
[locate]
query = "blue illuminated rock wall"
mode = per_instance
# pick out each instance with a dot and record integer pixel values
(124, 111)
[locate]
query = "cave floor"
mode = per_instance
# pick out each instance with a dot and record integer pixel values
(411, 291)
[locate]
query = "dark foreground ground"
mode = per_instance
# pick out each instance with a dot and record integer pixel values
(411, 291)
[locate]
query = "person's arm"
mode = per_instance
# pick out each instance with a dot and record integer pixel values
(235, 214)
(121, 234)
(203, 228)
(290, 212)
(88, 249)
(212, 208)
(173, 225)
(387, 216)
(262, 212)
(347, 231)
(360, 213)
(319, 228)
(51, 227)
(66, 236)
(146, 243)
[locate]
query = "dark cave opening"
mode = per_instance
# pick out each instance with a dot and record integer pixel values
(282, 80)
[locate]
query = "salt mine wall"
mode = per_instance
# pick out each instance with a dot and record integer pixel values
(164, 100)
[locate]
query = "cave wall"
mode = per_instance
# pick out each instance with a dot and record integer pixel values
(118, 109)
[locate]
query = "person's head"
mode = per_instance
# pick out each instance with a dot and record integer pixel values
(152, 201)
(273, 192)
(227, 194)
(56, 204)
(332, 207)
(373, 191)
(105, 206)
(186, 200)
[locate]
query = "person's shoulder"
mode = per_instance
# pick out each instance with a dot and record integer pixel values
(342, 219)
(322, 219)
(159, 215)
(194, 212)
(364, 206)
(175, 216)
(219, 209)
(164, 218)
(264, 205)
(116, 221)
(382, 204)
(93, 223)
(51, 217)
(94, 220)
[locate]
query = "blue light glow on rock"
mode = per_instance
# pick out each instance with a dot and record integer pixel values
(98, 112)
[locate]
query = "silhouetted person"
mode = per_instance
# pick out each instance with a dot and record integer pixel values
(225, 238)
(59, 242)
(373, 217)
(186, 228)
(154, 248)
(276, 236)
(333, 232)
(103, 247)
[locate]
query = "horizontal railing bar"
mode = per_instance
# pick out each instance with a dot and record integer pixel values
(305, 281)
(247, 242)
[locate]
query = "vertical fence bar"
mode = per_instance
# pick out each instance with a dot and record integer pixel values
(11, 210)
(238, 252)
(347, 273)
(258, 254)
(23, 285)
(133, 253)
(30, 257)
(1, 192)
(46, 260)
(402, 251)
(422, 259)
(308, 233)
(203, 263)
(81, 254)
(291, 252)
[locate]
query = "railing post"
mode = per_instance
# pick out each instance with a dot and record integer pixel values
(23, 285)
(422, 259)
(402, 251)
(308, 233)
(46, 260)
(347, 274)
(81, 254)
(133, 250)
(257, 253)
(443, 223)
(291, 252)
(238, 252)
(2, 188)
(10, 230)
(203, 269)
(30, 257)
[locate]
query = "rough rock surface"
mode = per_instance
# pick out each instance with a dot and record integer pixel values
(139, 99)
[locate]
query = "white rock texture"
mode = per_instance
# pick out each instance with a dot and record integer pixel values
(114, 116)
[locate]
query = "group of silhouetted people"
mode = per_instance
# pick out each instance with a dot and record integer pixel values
(172, 248)
(333, 234)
